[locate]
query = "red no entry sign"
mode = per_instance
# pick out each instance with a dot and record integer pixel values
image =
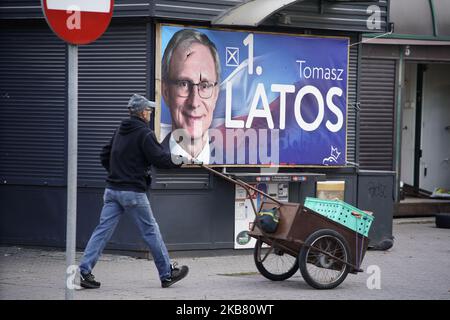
(78, 21)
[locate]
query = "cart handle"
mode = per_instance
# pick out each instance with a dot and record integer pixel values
(241, 183)
(356, 214)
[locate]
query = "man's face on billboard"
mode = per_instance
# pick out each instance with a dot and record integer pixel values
(191, 91)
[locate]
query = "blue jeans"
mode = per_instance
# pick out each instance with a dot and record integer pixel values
(137, 205)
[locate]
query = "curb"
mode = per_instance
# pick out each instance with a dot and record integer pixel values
(430, 220)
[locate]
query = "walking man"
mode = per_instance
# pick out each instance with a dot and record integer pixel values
(131, 151)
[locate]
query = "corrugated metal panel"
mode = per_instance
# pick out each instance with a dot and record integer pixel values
(203, 10)
(110, 70)
(377, 114)
(180, 179)
(32, 106)
(132, 8)
(314, 14)
(20, 9)
(25, 9)
(351, 102)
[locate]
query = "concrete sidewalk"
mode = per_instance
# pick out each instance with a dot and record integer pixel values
(417, 267)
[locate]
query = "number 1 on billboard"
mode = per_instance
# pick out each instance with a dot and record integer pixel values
(249, 42)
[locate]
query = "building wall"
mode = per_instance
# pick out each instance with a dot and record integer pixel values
(120, 63)
(33, 148)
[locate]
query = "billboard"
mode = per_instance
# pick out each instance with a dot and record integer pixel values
(253, 98)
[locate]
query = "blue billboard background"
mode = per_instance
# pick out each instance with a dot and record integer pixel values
(289, 60)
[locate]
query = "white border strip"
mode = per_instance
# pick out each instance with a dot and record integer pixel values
(103, 6)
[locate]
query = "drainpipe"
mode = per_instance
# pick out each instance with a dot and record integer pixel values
(433, 17)
(398, 123)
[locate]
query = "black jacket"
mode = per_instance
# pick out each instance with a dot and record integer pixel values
(128, 156)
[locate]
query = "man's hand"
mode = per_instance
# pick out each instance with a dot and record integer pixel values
(179, 159)
(184, 160)
(195, 161)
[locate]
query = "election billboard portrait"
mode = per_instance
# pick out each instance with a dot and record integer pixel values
(252, 98)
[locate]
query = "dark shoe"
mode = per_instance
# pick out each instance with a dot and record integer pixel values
(177, 275)
(88, 281)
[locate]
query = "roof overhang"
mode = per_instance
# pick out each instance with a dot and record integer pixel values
(260, 10)
(414, 42)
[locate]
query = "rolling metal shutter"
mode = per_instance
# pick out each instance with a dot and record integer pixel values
(32, 106)
(377, 114)
(110, 71)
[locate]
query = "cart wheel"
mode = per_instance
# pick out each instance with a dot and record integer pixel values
(277, 265)
(319, 270)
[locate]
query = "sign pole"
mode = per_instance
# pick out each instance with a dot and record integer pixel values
(75, 22)
(72, 155)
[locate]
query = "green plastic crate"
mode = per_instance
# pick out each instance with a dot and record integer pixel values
(342, 213)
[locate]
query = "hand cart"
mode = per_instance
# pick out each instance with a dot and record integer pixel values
(324, 250)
